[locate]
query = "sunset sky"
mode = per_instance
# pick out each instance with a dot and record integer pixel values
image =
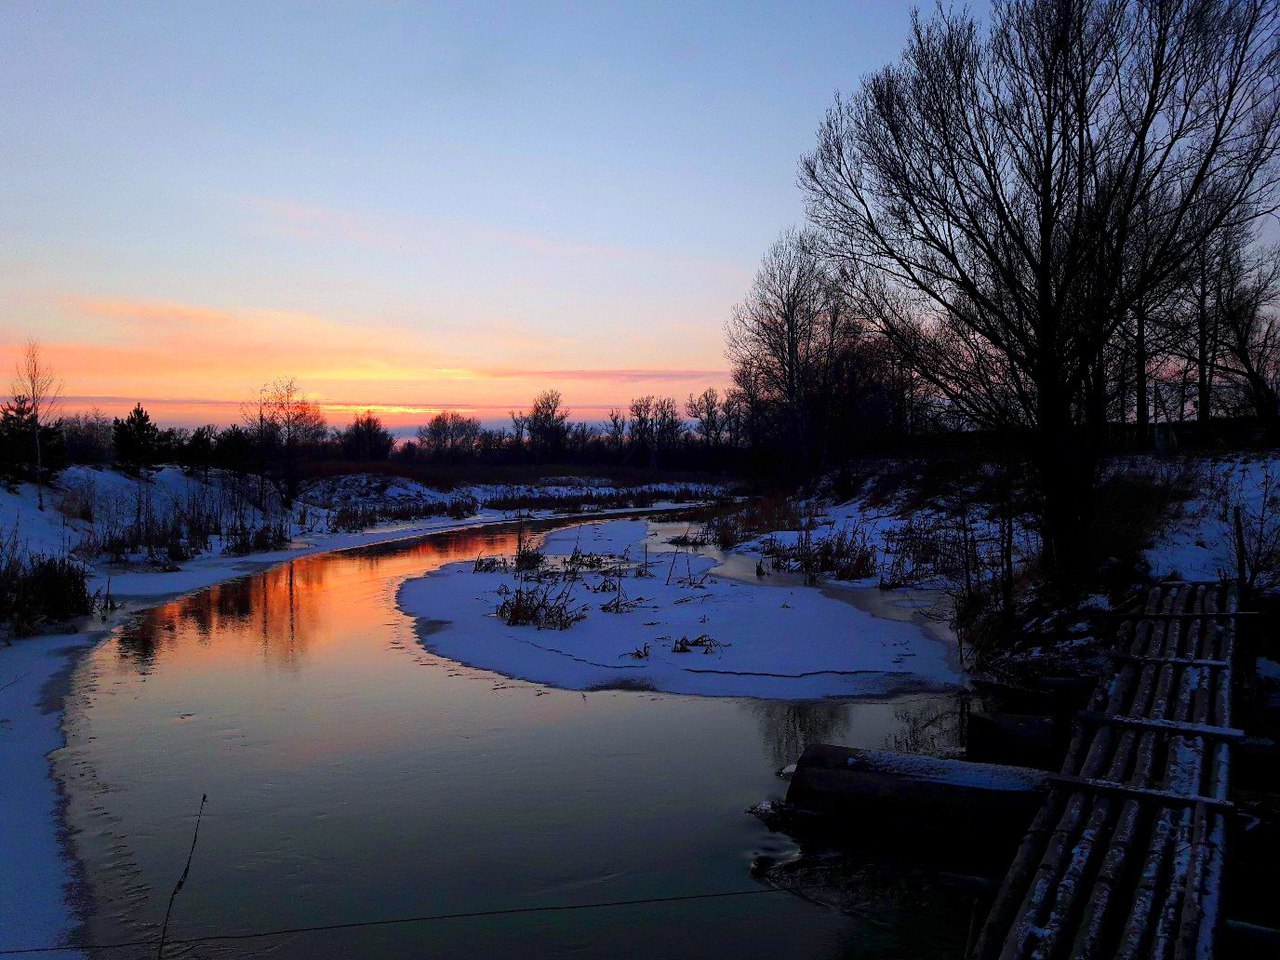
(405, 206)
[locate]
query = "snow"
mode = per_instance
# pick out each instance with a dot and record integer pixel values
(34, 874)
(953, 773)
(352, 489)
(37, 531)
(771, 639)
(1198, 543)
(605, 538)
(1269, 670)
(35, 877)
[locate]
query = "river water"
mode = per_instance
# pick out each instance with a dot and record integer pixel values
(352, 776)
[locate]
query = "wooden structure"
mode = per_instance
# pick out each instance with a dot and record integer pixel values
(1125, 857)
(913, 798)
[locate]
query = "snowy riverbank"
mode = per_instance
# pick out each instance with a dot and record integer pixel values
(36, 877)
(684, 625)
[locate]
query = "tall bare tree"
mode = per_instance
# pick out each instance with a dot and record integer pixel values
(35, 383)
(615, 430)
(548, 425)
(450, 435)
(285, 424)
(787, 337)
(1024, 188)
(1251, 331)
(707, 415)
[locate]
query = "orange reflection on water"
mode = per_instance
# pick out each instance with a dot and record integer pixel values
(280, 614)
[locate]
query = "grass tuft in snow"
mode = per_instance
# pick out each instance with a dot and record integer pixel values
(352, 518)
(36, 590)
(547, 606)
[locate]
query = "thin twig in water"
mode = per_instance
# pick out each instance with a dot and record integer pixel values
(164, 929)
(672, 569)
(15, 679)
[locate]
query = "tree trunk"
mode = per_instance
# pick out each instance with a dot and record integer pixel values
(39, 467)
(1140, 373)
(1203, 360)
(1059, 463)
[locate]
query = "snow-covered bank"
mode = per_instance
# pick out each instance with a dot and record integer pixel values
(58, 529)
(36, 886)
(36, 878)
(1198, 542)
(684, 628)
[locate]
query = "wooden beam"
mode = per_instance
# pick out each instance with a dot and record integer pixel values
(1174, 727)
(1202, 615)
(1162, 797)
(1172, 661)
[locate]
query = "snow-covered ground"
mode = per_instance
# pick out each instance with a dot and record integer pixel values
(1198, 542)
(109, 495)
(354, 489)
(86, 504)
(773, 638)
(35, 877)
(1195, 542)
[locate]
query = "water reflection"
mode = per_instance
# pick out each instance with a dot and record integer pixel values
(935, 726)
(353, 774)
(271, 609)
(278, 610)
(789, 726)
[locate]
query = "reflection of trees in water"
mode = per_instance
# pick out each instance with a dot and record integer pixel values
(138, 640)
(789, 726)
(278, 610)
(272, 610)
(935, 727)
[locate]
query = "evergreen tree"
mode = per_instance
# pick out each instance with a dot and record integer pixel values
(136, 439)
(18, 457)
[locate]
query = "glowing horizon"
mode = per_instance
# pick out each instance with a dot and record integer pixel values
(405, 208)
(191, 364)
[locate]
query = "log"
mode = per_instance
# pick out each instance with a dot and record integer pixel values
(874, 788)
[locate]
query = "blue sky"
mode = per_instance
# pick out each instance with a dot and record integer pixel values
(400, 203)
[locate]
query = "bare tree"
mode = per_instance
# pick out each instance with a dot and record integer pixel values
(615, 430)
(1028, 188)
(1251, 331)
(450, 435)
(286, 424)
(548, 425)
(35, 384)
(734, 412)
(787, 337)
(668, 427)
(640, 425)
(519, 426)
(707, 416)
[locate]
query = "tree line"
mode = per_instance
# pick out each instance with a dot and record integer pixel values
(281, 431)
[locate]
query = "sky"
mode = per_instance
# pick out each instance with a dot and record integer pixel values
(405, 206)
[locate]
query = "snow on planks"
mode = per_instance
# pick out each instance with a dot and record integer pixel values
(1125, 857)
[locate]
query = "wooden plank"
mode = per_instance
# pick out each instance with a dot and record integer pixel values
(1166, 798)
(1208, 663)
(1163, 713)
(1220, 615)
(1176, 727)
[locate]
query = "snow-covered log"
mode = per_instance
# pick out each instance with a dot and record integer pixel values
(874, 788)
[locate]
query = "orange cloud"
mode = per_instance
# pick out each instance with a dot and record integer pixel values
(196, 362)
(151, 311)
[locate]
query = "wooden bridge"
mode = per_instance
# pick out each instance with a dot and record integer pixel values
(1125, 857)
